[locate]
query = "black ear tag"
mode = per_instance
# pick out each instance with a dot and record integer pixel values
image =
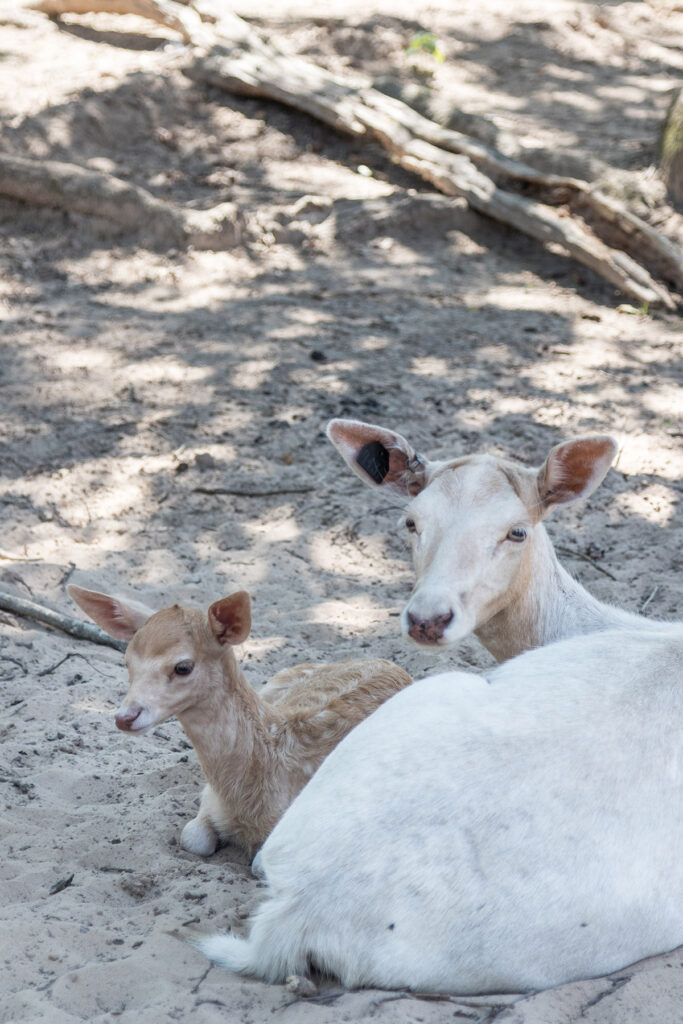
(374, 459)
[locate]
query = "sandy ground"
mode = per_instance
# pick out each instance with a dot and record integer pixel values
(134, 383)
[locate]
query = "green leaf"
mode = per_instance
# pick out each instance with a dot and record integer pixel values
(427, 42)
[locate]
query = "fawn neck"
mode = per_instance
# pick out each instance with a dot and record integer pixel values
(230, 727)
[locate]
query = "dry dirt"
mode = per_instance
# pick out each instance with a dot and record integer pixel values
(136, 383)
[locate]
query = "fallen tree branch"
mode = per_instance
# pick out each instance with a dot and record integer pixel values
(179, 17)
(75, 627)
(70, 187)
(456, 175)
(245, 63)
(610, 220)
(590, 226)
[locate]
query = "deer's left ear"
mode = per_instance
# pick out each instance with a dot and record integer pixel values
(574, 469)
(117, 616)
(230, 618)
(380, 457)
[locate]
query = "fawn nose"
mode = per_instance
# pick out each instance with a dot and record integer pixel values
(125, 717)
(428, 631)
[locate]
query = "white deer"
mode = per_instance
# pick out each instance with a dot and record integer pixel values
(483, 560)
(491, 833)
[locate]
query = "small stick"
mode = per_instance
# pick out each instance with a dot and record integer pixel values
(62, 884)
(71, 654)
(586, 558)
(10, 557)
(246, 492)
(76, 627)
(650, 598)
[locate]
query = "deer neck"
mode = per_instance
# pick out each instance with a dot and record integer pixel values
(546, 604)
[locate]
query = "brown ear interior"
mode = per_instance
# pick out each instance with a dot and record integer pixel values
(574, 469)
(230, 618)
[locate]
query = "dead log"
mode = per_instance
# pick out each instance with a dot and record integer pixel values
(179, 17)
(602, 234)
(611, 221)
(595, 230)
(70, 187)
(76, 627)
(457, 175)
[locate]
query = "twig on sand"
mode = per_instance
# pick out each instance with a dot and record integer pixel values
(652, 596)
(76, 627)
(252, 492)
(12, 661)
(63, 883)
(570, 552)
(9, 556)
(72, 654)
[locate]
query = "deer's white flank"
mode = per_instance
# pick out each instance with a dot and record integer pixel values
(488, 833)
(483, 560)
(257, 750)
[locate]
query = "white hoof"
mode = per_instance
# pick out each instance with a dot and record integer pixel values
(199, 837)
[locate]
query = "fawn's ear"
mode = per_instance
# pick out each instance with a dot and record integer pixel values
(379, 457)
(574, 469)
(230, 618)
(118, 617)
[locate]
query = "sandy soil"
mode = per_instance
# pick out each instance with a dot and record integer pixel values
(135, 383)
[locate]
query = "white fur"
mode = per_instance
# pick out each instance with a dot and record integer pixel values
(471, 837)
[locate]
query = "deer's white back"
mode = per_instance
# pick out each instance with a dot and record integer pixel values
(480, 835)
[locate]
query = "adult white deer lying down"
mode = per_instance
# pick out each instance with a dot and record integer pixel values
(483, 560)
(478, 838)
(257, 751)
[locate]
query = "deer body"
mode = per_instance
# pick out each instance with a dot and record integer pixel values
(483, 560)
(516, 830)
(257, 751)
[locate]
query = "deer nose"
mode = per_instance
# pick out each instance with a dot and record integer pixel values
(428, 631)
(125, 717)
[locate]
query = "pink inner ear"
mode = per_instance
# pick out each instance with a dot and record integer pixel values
(119, 618)
(231, 618)
(352, 436)
(576, 468)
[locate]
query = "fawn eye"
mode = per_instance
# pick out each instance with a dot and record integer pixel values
(183, 668)
(410, 526)
(517, 534)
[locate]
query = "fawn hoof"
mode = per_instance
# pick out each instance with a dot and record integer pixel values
(199, 837)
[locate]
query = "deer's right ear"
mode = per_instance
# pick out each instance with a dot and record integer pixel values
(379, 457)
(230, 618)
(120, 618)
(574, 469)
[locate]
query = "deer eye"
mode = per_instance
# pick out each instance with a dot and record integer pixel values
(517, 534)
(183, 668)
(410, 526)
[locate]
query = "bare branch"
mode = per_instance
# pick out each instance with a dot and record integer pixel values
(455, 163)
(76, 627)
(176, 16)
(70, 187)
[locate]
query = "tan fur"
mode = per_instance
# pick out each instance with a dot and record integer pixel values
(257, 751)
